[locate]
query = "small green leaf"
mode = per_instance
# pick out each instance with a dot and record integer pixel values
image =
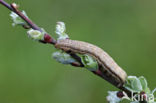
(143, 82)
(136, 85)
(133, 84)
(89, 62)
(63, 57)
(18, 20)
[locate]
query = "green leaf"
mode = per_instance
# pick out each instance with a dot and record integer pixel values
(63, 57)
(18, 20)
(89, 62)
(136, 85)
(133, 84)
(143, 82)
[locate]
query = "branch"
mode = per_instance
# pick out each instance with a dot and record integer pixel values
(49, 40)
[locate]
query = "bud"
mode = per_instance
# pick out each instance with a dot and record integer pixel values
(35, 34)
(16, 19)
(60, 30)
(15, 5)
(120, 94)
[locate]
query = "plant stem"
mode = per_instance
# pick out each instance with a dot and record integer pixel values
(27, 20)
(6, 4)
(48, 39)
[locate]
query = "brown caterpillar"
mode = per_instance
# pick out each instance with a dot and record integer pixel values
(112, 72)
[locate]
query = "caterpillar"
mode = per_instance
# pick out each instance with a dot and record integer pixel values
(112, 72)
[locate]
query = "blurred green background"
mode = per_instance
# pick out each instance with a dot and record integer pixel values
(126, 29)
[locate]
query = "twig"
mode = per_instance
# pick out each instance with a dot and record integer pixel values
(48, 39)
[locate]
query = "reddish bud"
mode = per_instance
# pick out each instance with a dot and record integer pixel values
(47, 38)
(120, 94)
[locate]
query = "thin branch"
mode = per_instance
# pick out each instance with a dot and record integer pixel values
(27, 20)
(48, 39)
(6, 5)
